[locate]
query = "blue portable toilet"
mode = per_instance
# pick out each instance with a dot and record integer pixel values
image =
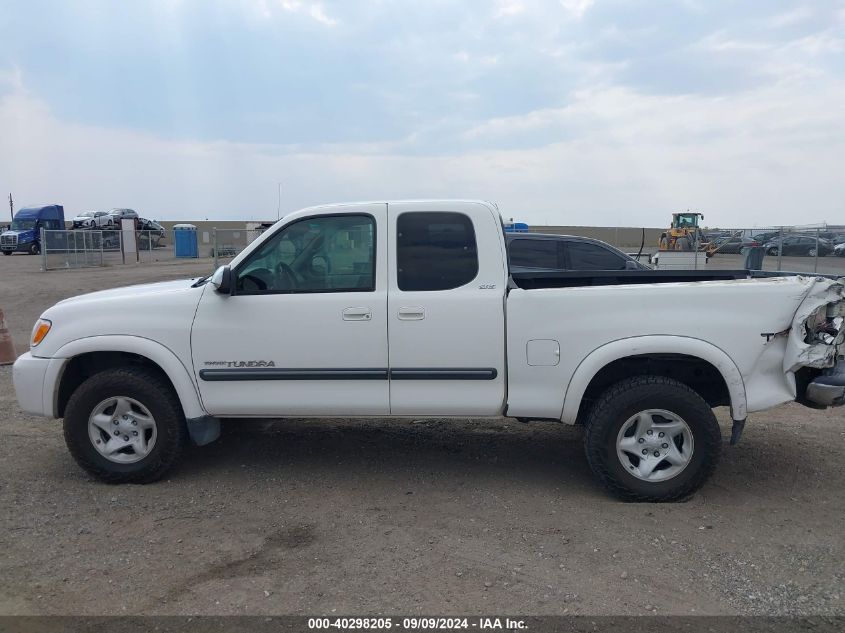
(185, 240)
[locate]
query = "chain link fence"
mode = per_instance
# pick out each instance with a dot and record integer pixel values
(227, 243)
(91, 248)
(803, 249)
(86, 248)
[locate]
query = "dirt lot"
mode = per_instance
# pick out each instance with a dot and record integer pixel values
(406, 516)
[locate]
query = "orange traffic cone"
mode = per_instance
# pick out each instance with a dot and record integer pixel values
(7, 347)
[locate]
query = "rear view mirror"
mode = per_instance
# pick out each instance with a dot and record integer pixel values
(222, 280)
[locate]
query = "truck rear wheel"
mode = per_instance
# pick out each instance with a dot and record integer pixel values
(125, 425)
(651, 438)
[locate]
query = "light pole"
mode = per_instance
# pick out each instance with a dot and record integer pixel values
(279, 207)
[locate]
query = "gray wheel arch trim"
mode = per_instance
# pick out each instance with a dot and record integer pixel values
(179, 376)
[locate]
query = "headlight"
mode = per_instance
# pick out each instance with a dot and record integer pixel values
(42, 326)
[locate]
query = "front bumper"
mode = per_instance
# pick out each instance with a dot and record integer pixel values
(28, 377)
(16, 247)
(828, 390)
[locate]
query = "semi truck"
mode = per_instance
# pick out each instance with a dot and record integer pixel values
(394, 309)
(24, 234)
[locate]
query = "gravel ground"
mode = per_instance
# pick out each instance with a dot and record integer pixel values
(406, 516)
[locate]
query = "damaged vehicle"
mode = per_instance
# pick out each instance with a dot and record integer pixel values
(409, 309)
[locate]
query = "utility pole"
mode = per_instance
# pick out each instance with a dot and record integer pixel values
(11, 208)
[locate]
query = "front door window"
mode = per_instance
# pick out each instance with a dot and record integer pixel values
(318, 254)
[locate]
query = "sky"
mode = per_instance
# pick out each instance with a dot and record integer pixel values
(563, 112)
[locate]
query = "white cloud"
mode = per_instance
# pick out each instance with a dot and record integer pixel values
(789, 18)
(766, 157)
(11, 80)
(720, 42)
(789, 60)
(477, 60)
(314, 10)
(506, 8)
(576, 7)
(518, 101)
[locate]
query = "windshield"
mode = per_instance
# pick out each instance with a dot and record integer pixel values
(23, 225)
(687, 220)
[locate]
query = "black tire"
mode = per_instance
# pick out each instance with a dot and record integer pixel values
(7, 252)
(148, 388)
(35, 249)
(625, 399)
(772, 251)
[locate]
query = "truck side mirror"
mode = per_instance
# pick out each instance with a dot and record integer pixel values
(222, 280)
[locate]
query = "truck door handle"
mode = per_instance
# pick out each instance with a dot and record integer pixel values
(357, 314)
(411, 314)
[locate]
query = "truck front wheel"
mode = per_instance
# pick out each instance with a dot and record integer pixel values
(34, 248)
(7, 252)
(651, 438)
(125, 425)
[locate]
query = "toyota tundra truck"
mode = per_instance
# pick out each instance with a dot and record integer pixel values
(396, 309)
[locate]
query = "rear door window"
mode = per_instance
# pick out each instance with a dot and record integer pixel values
(588, 256)
(533, 253)
(435, 251)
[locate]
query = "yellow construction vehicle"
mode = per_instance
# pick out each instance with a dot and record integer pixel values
(684, 234)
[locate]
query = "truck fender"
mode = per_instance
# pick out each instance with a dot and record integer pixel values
(656, 344)
(179, 376)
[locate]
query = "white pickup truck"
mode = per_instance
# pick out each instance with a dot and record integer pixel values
(408, 309)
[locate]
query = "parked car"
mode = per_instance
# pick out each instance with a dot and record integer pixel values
(93, 220)
(801, 245)
(409, 309)
(150, 231)
(834, 237)
(122, 214)
(540, 251)
(767, 236)
(712, 236)
(111, 240)
(734, 245)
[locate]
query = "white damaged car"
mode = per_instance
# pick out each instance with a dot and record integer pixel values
(410, 309)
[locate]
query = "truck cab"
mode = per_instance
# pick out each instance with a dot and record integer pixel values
(24, 234)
